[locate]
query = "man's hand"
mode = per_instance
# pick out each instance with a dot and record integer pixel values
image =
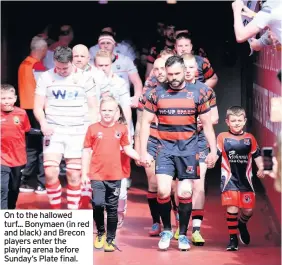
(199, 124)
(146, 160)
(211, 160)
(47, 129)
(85, 180)
(134, 102)
(260, 173)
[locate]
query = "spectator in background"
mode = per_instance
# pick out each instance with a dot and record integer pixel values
(276, 171)
(268, 17)
(65, 37)
(29, 71)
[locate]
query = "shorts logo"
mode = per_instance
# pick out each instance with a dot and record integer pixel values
(190, 170)
(247, 141)
(247, 198)
(16, 120)
(189, 95)
(116, 191)
(100, 135)
(202, 155)
(117, 135)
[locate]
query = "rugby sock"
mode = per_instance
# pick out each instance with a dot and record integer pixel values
(86, 196)
(244, 218)
(54, 193)
(154, 206)
(165, 209)
(185, 210)
(232, 223)
(173, 203)
(197, 218)
(73, 196)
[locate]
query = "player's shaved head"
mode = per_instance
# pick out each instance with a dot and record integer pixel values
(81, 49)
(159, 70)
(159, 62)
(80, 56)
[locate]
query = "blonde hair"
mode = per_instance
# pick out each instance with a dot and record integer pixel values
(166, 51)
(235, 110)
(8, 87)
(188, 56)
(108, 99)
(103, 54)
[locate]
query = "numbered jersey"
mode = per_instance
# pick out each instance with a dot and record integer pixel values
(65, 97)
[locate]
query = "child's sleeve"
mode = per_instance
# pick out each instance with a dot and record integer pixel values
(88, 140)
(124, 137)
(255, 150)
(26, 123)
(219, 142)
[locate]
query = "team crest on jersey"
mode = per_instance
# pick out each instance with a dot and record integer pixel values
(16, 120)
(100, 135)
(202, 155)
(247, 198)
(118, 66)
(117, 134)
(190, 170)
(247, 141)
(189, 95)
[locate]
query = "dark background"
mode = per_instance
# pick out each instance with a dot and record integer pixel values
(211, 23)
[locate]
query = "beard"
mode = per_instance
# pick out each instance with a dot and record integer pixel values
(176, 84)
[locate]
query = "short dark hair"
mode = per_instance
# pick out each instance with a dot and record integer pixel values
(106, 33)
(63, 54)
(8, 87)
(183, 35)
(236, 111)
(173, 60)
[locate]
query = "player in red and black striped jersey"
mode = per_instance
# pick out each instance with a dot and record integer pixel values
(205, 74)
(237, 149)
(176, 105)
(198, 197)
(159, 46)
(159, 76)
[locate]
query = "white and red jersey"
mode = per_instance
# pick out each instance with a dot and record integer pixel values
(65, 99)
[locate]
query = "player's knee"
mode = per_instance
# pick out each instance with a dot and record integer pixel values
(153, 185)
(163, 193)
(247, 212)
(73, 172)
(184, 193)
(51, 169)
(232, 209)
(198, 188)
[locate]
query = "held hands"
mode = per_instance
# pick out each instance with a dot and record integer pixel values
(134, 102)
(211, 160)
(146, 160)
(85, 180)
(46, 129)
